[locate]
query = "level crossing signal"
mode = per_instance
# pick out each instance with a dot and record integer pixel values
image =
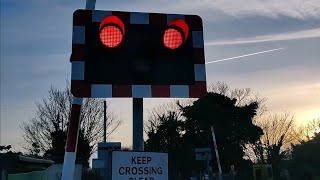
(132, 54)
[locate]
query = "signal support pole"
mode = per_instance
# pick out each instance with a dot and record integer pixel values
(73, 128)
(137, 124)
(72, 140)
(90, 4)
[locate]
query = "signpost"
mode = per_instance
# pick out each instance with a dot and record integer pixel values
(127, 165)
(132, 55)
(137, 55)
(203, 154)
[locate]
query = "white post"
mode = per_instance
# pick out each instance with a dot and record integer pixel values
(72, 140)
(217, 153)
(73, 129)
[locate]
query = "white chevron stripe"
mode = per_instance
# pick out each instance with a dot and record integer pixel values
(98, 16)
(101, 91)
(140, 91)
(200, 72)
(68, 165)
(77, 70)
(139, 18)
(78, 35)
(77, 101)
(171, 17)
(179, 91)
(197, 38)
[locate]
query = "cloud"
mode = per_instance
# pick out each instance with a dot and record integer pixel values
(293, 8)
(300, 9)
(310, 33)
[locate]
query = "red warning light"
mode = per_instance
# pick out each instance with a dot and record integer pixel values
(111, 31)
(176, 34)
(172, 38)
(111, 36)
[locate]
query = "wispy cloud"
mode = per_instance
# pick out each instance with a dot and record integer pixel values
(310, 33)
(292, 8)
(300, 9)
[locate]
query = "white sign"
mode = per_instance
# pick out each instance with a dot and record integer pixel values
(127, 165)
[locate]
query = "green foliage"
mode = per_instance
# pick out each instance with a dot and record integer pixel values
(167, 134)
(306, 157)
(233, 127)
(56, 152)
(166, 137)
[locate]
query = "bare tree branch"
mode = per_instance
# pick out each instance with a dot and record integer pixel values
(278, 135)
(53, 114)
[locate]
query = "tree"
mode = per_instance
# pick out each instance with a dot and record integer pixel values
(306, 132)
(158, 114)
(306, 158)
(166, 137)
(232, 123)
(167, 133)
(5, 148)
(278, 129)
(275, 143)
(233, 126)
(242, 96)
(45, 134)
(154, 120)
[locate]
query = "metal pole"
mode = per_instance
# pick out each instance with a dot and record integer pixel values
(72, 140)
(90, 4)
(104, 121)
(138, 143)
(217, 153)
(208, 171)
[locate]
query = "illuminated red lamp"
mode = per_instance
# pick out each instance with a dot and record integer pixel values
(111, 31)
(176, 34)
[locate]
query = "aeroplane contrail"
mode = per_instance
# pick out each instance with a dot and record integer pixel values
(246, 55)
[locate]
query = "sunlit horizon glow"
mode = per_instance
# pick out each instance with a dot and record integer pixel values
(307, 115)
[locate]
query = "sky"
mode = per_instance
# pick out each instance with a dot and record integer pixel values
(36, 46)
